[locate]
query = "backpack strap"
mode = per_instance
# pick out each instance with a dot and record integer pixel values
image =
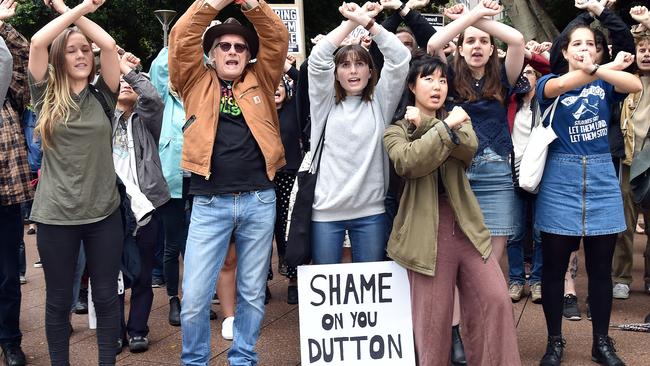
(100, 97)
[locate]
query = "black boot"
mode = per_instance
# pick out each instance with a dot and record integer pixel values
(175, 311)
(603, 351)
(554, 350)
(457, 350)
(13, 355)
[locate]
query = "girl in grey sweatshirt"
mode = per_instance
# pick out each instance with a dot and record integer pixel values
(352, 108)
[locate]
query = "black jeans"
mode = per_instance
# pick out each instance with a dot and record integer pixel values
(556, 250)
(58, 246)
(11, 227)
(141, 292)
(176, 222)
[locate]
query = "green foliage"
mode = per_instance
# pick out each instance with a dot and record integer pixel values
(135, 28)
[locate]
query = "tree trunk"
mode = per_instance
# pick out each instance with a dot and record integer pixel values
(531, 19)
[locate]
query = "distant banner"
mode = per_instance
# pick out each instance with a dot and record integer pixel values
(290, 16)
(355, 315)
(435, 20)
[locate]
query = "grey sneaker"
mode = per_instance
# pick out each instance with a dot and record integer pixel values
(536, 292)
(516, 291)
(571, 311)
(621, 291)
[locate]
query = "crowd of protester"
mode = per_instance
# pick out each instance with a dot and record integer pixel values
(417, 136)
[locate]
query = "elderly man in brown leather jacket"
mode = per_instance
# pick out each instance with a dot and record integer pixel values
(232, 147)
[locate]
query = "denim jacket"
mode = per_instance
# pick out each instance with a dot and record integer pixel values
(170, 145)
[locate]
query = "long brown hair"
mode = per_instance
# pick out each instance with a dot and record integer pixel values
(57, 102)
(463, 80)
(355, 52)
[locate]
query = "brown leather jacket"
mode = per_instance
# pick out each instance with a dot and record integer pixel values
(198, 86)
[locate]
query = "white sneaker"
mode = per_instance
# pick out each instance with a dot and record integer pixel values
(621, 291)
(226, 328)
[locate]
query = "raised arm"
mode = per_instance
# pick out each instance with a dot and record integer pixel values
(110, 69)
(159, 73)
(18, 46)
(149, 106)
(641, 15)
(274, 42)
(461, 20)
(513, 38)
(185, 49)
(41, 40)
(623, 82)
(6, 66)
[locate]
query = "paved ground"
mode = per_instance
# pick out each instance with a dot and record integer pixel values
(278, 343)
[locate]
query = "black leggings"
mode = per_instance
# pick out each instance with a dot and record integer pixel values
(599, 251)
(58, 246)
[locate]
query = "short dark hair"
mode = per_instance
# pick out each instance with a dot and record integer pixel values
(422, 64)
(355, 52)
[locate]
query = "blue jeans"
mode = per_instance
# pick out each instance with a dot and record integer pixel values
(250, 217)
(515, 246)
(367, 236)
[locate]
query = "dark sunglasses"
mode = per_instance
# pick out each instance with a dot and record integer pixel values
(226, 46)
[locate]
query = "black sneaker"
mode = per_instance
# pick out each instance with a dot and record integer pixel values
(157, 282)
(138, 344)
(571, 311)
(215, 299)
(38, 264)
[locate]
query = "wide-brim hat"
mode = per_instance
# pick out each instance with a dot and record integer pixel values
(230, 26)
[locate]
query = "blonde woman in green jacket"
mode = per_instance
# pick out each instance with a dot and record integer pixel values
(439, 235)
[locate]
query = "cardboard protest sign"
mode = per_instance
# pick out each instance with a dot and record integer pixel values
(355, 314)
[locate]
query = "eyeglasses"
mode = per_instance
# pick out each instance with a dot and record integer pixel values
(227, 46)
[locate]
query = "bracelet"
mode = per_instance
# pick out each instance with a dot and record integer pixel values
(401, 7)
(370, 24)
(594, 70)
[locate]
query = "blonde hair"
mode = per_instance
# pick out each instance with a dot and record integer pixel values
(57, 102)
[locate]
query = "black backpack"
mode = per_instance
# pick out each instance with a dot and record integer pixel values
(100, 97)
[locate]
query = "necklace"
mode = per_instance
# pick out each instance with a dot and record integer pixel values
(228, 84)
(477, 82)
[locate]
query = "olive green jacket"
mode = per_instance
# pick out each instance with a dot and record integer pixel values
(419, 155)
